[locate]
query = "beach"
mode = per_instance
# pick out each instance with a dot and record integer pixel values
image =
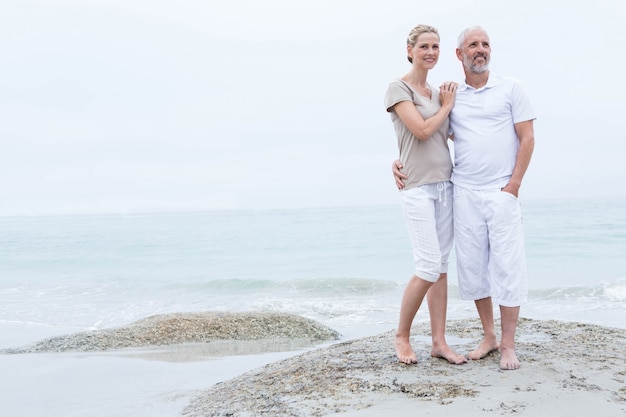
(83, 300)
(568, 369)
(153, 366)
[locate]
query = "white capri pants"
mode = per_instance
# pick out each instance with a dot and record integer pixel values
(490, 251)
(428, 214)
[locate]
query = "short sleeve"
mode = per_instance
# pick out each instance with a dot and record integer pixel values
(397, 92)
(522, 107)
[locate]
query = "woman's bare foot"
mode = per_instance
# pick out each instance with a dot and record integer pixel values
(404, 351)
(508, 359)
(484, 348)
(448, 354)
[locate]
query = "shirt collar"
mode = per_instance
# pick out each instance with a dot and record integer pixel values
(491, 82)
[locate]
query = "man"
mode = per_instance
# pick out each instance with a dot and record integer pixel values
(492, 129)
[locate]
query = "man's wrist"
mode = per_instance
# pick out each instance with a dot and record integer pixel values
(514, 184)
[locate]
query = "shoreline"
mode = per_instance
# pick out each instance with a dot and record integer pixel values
(567, 369)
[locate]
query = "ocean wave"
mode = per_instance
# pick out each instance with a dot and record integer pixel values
(616, 291)
(608, 290)
(322, 286)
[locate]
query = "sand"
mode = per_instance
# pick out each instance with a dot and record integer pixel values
(151, 367)
(568, 369)
(207, 328)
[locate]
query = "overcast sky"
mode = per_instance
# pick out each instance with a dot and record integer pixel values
(146, 105)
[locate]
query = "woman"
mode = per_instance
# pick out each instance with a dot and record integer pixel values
(419, 113)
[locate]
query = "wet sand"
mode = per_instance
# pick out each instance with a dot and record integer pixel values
(568, 369)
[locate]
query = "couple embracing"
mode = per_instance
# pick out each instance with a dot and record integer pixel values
(473, 202)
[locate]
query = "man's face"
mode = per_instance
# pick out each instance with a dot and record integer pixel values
(475, 52)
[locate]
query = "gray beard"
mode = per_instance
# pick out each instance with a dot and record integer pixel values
(479, 70)
(475, 68)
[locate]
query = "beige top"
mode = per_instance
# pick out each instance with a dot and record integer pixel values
(424, 161)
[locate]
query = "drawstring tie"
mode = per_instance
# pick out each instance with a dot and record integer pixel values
(442, 190)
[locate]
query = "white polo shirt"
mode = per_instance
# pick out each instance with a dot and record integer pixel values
(485, 142)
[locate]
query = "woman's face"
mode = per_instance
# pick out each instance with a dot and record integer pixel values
(425, 52)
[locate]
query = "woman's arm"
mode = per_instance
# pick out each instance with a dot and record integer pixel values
(422, 128)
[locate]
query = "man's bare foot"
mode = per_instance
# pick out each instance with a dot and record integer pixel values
(448, 354)
(484, 348)
(404, 351)
(508, 359)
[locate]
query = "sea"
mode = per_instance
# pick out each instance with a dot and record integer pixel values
(344, 267)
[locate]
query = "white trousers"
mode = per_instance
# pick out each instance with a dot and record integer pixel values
(490, 249)
(428, 214)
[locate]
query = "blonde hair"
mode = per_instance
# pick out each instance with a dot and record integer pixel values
(411, 40)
